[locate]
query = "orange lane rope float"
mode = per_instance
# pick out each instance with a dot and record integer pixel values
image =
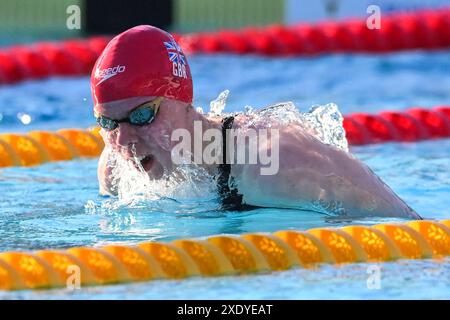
(223, 255)
(38, 147)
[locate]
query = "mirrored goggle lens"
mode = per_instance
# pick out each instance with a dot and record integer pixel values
(142, 116)
(106, 123)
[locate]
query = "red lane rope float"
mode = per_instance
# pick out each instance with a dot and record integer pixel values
(64, 63)
(401, 31)
(11, 70)
(67, 58)
(34, 64)
(404, 126)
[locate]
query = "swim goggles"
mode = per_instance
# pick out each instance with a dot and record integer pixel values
(141, 116)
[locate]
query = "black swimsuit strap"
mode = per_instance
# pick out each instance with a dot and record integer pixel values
(231, 199)
(224, 167)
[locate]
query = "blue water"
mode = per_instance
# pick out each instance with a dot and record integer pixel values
(56, 205)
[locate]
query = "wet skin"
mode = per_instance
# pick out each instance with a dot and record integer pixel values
(311, 175)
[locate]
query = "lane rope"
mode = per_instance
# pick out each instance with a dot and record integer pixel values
(222, 255)
(427, 30)
(38, 147)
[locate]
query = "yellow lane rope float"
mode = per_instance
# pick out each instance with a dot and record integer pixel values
(224, 255)
(38, 147)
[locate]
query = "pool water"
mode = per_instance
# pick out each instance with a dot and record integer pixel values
(57, 205)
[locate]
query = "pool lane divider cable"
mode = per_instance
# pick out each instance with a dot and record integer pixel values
(38, 147)
(426, 29)
(222, 255)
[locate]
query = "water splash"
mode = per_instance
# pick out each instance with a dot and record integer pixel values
(324, 122)
(136, 189)
(217, 106)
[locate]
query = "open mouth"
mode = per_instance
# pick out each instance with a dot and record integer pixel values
(146, 162)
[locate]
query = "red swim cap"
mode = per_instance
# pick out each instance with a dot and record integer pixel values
(142, 61)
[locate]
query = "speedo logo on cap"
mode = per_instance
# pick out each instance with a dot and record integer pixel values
(108, 73)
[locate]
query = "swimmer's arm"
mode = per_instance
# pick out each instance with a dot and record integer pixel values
(310, 170)
(104, 175)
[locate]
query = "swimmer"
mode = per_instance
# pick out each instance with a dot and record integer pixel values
(143, 93)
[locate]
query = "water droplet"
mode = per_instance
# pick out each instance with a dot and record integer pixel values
(24, 118)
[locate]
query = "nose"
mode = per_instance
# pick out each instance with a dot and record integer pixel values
(126, 135)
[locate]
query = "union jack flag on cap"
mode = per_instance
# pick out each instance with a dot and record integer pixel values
(175, 53)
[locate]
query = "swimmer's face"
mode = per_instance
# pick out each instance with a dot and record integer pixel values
(149, 143)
